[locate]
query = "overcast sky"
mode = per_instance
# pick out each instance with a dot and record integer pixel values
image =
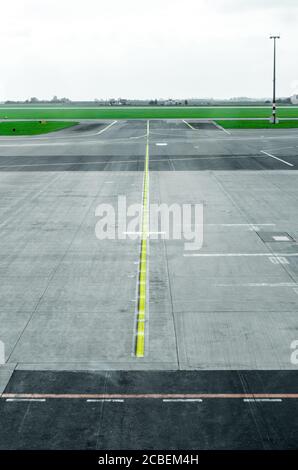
(86, 49)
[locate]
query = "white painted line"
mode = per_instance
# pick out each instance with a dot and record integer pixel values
(273, 260)
(252, 400)
(221, 128)
(278, 260)
(105, 128)
(281, 238)
(189, 125)
(184, 400)
(161, 144)
(26, 399)
(276, 158)
(141, 233)
(253, 226)
(108, 400)
(138, 137)
(225, 130)
(231, 255)
(229, 225)
(261, 284)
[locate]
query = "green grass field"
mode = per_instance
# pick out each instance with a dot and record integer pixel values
(48, 112)
(32, 128)
(257, 124)
(115, 113)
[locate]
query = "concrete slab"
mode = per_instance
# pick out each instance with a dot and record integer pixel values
(68, 300)
(229, 340)
(76, 337)
(5, 376)
(60, 286)
(21, 296)
(12, 325)
(95, 339)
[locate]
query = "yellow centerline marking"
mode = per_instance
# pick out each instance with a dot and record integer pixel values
(142, 281)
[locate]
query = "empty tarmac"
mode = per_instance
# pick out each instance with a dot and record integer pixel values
(68, 300)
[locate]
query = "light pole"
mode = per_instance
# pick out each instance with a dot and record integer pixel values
(274, 80)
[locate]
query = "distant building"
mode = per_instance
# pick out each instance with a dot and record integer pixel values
(294, 99)
(169, 102)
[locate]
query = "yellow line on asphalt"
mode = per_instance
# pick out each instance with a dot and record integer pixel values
(142, 287)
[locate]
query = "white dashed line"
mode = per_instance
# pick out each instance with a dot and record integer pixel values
(281, 238)
(252, 400)
(108, 400)
(273, 260)
(279, 260)
(184, 400)
(26, 399)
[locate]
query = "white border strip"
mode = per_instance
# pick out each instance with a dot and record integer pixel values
(276, 158)
(221, 128)
(189, 125)
(106, 128)
(232, 255)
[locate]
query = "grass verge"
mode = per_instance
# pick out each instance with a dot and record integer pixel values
(32, 127)
(266, 124)
(162, 112)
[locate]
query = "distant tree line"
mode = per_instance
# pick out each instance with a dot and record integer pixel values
(155, 102)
